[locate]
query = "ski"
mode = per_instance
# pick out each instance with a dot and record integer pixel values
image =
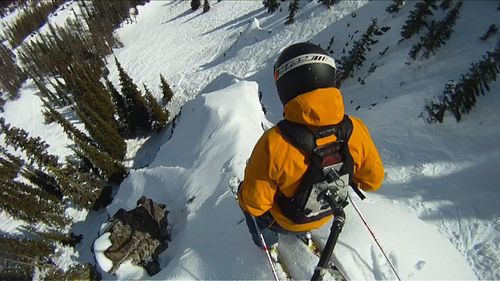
(332, 269)
(277, 259)
(281, 270)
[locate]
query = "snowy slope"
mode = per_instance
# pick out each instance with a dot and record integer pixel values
(190, 174)
(210, 144)
(436, 214)
(445, 173)
(417, 156)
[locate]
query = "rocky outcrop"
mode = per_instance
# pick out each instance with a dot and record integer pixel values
(139, 235)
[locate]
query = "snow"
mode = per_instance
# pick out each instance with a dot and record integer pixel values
(9, 224)
(129, 271)
(65, 257)
(436, 215)
(101, 244)
(416, 249)
(26, 113)
(198, 162)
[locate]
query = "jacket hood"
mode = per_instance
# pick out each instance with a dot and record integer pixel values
(320, 107)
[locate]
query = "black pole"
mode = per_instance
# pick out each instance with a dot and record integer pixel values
(338, 223)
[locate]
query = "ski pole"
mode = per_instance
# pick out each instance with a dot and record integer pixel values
(375, 238)
(338, 223)
(269, 259)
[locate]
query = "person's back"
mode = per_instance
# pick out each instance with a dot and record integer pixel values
(305, 78)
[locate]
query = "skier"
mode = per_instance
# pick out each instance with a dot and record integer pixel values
(305, 79)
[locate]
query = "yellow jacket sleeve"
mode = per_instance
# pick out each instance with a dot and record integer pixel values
(259, 187)
(368, 167)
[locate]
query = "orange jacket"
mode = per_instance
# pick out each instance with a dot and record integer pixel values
(276, 164)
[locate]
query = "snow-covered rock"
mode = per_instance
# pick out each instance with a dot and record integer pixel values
(137, 236)
(101, 244)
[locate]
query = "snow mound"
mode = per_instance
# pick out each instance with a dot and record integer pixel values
(251, 35)
(222, 81)
(211, 142)
(254, 25)
(101, 244)
(130, 271)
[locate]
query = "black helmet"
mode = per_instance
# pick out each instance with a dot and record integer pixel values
(301, 68)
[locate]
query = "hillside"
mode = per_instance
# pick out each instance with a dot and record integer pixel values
(436, 214)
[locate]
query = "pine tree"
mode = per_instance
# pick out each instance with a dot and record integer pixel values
(206, 6)
(89, 91)
(491, 30)
(328, 3)
(438, 34)
(2, 102)
(34, 148)
(102, 132)
(395, 6)
(461, 98)
(165, 89)
(83, 188)
(12, 76)
(137, 111)
(31, 204)
(294, 6)
(71, 131)
(19, 257)
(10, 165)
(271, 5)
(158, 116)
(44, 181)
(417, 18)
(51, 98)
(84, 271)
(445, 4)
(52, 179)
(436, 110)
(51, 236)
(30, 20)
(195, 4)
(330, 45)
(357, 55)
(110, 169)
(121, 109)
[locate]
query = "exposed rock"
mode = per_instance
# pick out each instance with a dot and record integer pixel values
(139, 235)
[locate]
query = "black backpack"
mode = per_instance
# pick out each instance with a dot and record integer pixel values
(330, 167)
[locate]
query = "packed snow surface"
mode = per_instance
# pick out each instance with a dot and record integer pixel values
(436, 215)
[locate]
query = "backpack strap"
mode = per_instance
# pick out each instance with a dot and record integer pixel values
(298, 135)
(305, 140)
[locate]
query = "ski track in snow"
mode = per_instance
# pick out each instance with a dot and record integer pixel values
(436, 215)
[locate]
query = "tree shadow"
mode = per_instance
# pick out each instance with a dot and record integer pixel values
(186, 13)
(192, 18)
(149, 149)
(90, 230)
(171, 2)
